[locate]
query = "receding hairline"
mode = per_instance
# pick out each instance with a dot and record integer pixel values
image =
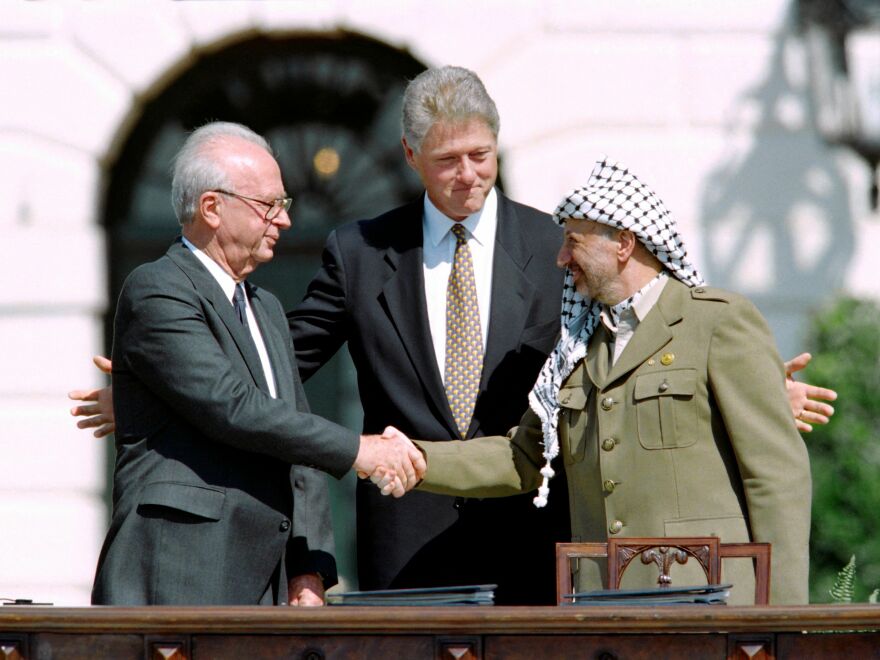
(218, 146)
(232, 152)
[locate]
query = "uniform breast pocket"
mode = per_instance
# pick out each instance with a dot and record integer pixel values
(666, 413)
(572, 423)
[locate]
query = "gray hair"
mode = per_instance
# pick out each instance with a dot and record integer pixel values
(606, 231)
(197, 170)
(448, 93)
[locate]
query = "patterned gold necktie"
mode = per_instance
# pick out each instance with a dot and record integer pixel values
(464, 340)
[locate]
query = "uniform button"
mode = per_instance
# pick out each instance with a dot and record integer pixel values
(607, 402)
(608, 485)
(663, 386)
(565, 398)
(608, 444)
(284, 526)
(700, 289)
(615, 527)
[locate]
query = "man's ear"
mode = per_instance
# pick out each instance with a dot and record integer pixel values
(626, 243)
(409, 153)
(209, 208)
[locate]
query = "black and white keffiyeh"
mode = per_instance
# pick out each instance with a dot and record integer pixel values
(613, 196)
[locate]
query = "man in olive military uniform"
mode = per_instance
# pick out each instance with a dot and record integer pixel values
(665, 397)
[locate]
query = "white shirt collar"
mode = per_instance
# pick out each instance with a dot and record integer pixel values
(223, 278)
(649, 297)
(640, 308)
(480, 225)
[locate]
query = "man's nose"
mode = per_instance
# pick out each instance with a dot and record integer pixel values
(282, 220)
(563, 257)
(466, 171)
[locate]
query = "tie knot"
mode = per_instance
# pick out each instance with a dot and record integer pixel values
(460, 232)
(238, 303)
(238, 296)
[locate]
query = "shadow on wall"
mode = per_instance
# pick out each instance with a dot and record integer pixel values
(775, 210)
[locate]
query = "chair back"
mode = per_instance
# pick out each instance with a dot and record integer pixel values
(664, 552)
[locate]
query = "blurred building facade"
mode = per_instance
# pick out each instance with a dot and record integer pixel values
(706, 101)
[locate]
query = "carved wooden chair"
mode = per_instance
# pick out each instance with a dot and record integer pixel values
(708, 551)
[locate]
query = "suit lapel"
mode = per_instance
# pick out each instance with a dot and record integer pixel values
(403, 297)
(210, 289)
(274, 339)
(512, 293)
(653, 333)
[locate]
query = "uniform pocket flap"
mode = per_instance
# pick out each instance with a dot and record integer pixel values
(572, 397)
(676, 382)
(197, 500)
(730, 529)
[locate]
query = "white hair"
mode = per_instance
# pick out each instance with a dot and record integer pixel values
(196, 169)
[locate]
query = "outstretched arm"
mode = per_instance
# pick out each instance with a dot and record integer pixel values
(97, 413)
(319, 324)
(483, 467)
(806, 400)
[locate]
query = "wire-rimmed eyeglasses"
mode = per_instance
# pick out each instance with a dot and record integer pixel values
(275, 206)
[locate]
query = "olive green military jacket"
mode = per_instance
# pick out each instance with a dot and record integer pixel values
(689, 434)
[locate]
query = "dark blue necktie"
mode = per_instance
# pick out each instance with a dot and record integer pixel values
(239, 303)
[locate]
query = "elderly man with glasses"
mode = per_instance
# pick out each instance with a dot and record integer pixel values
(213, 430)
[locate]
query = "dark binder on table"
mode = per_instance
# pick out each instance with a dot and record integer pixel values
(706, 594)
(480, 594)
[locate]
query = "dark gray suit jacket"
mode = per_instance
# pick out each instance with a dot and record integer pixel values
(203, 508)
(370, 292)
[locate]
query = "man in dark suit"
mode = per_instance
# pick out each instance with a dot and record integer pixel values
(210, 411)
(383, 289)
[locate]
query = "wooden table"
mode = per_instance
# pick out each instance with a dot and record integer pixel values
(464, 633)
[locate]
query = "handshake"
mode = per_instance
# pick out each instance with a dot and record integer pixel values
(391, 461)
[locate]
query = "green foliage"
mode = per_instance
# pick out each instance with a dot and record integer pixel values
(844, 585)
(845, 454)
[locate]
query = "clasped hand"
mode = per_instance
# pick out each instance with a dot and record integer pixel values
(391, 461)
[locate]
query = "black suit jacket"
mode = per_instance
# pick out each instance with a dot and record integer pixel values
(203, 511)
(370, 292)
